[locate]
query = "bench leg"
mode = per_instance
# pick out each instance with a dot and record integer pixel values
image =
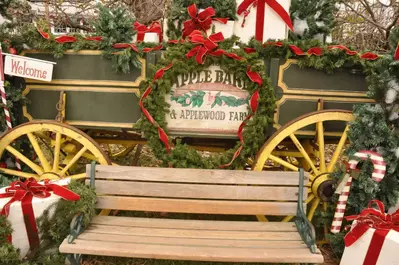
(74, 259)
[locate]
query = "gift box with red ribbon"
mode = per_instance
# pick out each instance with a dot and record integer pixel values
(24, 202)
(263, 19)
(373, 238)
(152, 33)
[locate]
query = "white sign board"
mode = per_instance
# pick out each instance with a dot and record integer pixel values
(29, 68)
(208, 103)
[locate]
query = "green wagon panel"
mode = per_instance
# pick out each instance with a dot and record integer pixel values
(88, 68)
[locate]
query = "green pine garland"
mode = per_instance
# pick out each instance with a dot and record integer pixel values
(255, 130)
(53, 229)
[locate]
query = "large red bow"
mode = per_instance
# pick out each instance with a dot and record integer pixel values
(200, 21)
(24, 192)
(371, 218)
(207, 46)
(143, 29)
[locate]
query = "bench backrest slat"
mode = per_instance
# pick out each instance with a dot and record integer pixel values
(196, 190)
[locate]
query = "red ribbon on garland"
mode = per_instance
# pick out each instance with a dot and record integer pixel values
(396, 56)
(161, 133)
(254, 103)
(372, 218)
(200, 21)
(125, 46)
(207, 46)
(245, 6)
(143, 29)
(65, 38)
(24, 192)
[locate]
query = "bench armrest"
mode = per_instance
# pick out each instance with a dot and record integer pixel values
(77, 227)
(304, 226)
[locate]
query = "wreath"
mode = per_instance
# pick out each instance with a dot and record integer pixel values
(197, 54)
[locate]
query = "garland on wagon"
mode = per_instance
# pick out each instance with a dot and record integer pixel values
(192, 56)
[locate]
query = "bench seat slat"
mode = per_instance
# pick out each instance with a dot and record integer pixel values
(173, 190)
(194, 224)
(192, 241)
(185, 175)
(196, 206)
(193, 233)
(170, 252)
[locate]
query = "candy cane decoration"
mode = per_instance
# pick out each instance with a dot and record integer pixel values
(4, 100)
(378, 175)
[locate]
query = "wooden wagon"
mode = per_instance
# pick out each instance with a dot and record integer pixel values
(88, 107)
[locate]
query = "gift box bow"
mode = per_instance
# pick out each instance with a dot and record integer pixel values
(155, 27)
(22, 191)
(200, 21)
(371, 218)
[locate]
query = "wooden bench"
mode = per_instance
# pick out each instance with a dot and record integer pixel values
(196, 191)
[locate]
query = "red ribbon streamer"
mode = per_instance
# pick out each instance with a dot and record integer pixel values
(157, 48)
(200, 21)
(65, 39)
(155, 27)
(372, 218)
(260, 14)
(396, 56)
(95, 38)
(161, 133)
(254, 103)
(125, 46)
(24, 192)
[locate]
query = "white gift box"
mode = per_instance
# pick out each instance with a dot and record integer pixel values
(356, 253)
(227, 29)
(16, 218)
(149, 37)
(274, 26)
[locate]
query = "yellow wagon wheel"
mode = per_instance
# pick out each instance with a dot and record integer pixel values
(320, 181)
(57, 146)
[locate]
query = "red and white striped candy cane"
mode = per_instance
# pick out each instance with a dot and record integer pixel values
(4, 100)
(377, 175)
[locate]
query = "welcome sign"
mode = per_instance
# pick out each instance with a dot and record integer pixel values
(209, 103)
(29, 68)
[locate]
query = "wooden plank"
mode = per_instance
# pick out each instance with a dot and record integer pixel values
(173, 190)
(227, 254)
(193, 233)
(194, 224)
(185, 175)
(89, 236)
(196, 206)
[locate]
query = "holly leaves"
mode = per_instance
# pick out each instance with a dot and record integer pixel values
(229, 101)
(194, 98)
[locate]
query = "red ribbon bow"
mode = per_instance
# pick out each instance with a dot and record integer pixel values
(260, 15)
(143, 29)
(24, 192)
(372, 218)
(200, 21)
(207, 46)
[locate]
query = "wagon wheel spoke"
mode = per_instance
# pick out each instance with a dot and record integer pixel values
(25, 160)
(73, 161)
(320, 143)
(43, 160)
(20, 174)
(338, 150)
(57, 150)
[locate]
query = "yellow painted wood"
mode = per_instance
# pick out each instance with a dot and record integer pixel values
(39, 152)
(338, 150)
(25, 160)
(73, 161)
(291, 131)
(57, 150)
(63, 133)
(320, 142)
(19, 173)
